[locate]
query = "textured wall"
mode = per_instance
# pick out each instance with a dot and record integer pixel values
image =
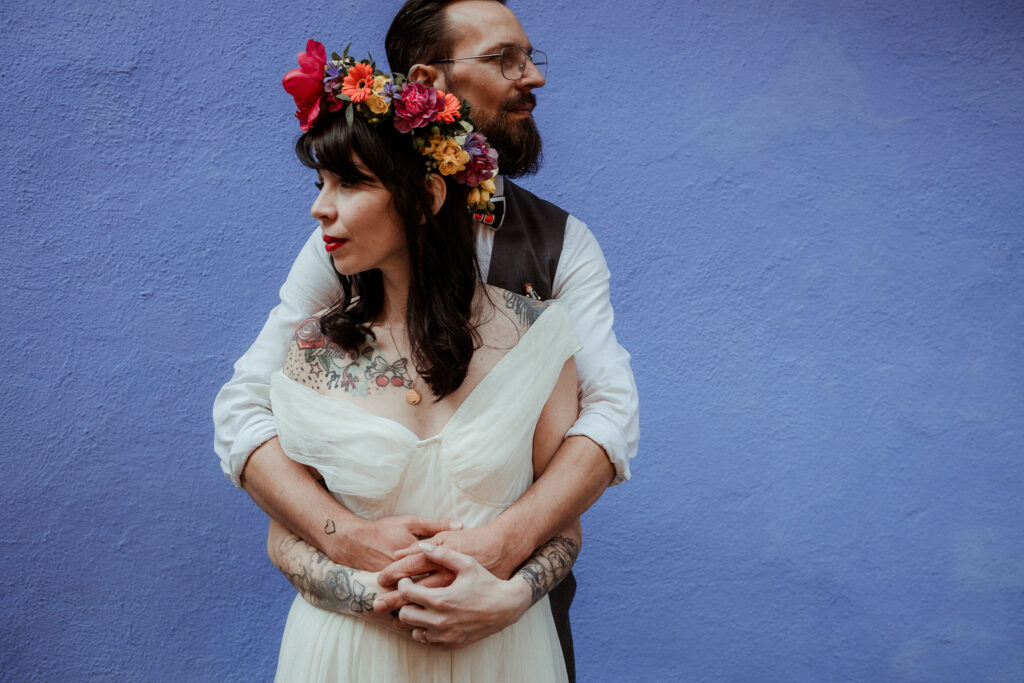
(813, 216)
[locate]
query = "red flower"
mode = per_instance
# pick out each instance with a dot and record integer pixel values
(306, 84)
(309, 336)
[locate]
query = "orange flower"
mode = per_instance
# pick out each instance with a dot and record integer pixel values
(358, 83)
(451, 108)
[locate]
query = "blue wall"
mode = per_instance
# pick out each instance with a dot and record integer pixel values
(813, 213)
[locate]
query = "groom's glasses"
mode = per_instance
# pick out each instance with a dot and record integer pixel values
(513, 61)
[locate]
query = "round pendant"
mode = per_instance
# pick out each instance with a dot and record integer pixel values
(413, 397)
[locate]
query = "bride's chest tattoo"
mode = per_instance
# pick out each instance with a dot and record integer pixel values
(326, 367)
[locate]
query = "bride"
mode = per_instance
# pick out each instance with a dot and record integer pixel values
(421, 391)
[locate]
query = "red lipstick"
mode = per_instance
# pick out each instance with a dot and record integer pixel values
(332, 243)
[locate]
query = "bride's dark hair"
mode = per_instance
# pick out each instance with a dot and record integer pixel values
(443, 269)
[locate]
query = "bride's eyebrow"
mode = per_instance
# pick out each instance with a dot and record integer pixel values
(362, 168)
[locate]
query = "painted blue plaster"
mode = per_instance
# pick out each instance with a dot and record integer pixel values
(813, 216)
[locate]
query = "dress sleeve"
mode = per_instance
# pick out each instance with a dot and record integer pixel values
(242, 416)
(609, 406)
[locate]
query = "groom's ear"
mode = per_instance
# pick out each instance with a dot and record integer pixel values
(428, 75)
(438, 190)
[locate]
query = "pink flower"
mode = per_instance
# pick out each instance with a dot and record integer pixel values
(418, 106)
(306, 84)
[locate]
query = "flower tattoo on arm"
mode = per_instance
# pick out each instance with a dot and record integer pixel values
(549, 565)
(321, 582)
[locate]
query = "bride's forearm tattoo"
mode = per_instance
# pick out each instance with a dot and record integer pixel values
(549, 565)
(321, 582)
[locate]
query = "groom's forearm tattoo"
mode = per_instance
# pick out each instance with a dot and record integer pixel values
(321, 582)
(549, 565)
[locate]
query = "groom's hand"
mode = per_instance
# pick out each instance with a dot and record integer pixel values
(474, 606)
(390, 601)
(372, 544)
(483, 544)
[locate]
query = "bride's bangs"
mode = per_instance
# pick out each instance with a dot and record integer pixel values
(333, 147)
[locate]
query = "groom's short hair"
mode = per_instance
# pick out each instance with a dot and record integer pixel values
(419, 34)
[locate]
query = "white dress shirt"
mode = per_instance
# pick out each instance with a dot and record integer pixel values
(609, 411)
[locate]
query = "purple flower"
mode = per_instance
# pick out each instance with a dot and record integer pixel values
(390, 92)
(482, 160)
(476, 144)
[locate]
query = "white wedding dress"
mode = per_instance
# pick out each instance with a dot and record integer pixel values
(478, 465)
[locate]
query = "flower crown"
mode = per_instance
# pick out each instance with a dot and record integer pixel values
(439, 122)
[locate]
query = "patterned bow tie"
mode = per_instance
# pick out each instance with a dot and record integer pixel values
(493, 221)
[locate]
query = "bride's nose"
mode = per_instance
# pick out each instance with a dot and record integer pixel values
(323, 209)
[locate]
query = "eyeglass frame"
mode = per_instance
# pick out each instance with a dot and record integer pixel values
(528, 58)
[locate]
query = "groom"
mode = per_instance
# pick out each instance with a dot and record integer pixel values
(477, 50)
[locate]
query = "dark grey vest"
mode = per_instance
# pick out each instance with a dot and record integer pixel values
(528, 243)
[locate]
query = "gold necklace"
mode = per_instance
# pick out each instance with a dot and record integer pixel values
(412, 397)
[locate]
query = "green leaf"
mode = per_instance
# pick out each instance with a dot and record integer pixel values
(466, 125)
(335, 57)
(349, 114)
(346, 50)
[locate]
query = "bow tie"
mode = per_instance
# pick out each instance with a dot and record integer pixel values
(495, 220)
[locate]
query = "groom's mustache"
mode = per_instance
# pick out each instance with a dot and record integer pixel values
(521, 101)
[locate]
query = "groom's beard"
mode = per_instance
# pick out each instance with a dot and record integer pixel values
(517, 140)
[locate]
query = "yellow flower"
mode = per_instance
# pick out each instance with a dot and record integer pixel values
(443, 147)
(436, 142)
(453, 163)
(377, 104)
(473, 197)
(448, 154)
(378, 84)
(488, 187)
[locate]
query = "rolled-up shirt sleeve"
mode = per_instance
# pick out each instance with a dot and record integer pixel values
(609, 406)
(242, 416)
